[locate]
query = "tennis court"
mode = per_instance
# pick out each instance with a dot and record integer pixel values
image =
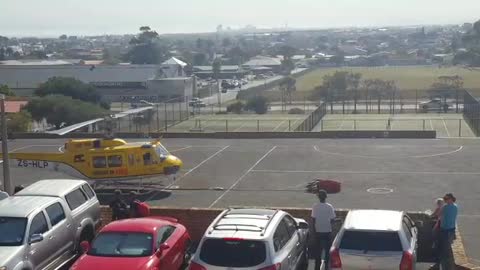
(240, 123)
(447, 125)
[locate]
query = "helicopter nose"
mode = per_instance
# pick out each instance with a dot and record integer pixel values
(173, 165)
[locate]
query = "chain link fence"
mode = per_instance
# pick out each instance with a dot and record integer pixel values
(471, 112)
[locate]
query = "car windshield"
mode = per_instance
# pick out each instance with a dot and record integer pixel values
(122, 244)
(241, 253)
(371, 241)
(12, 231)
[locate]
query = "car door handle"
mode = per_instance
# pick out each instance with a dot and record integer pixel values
(51, 237)
(69, 225)
(298, 244)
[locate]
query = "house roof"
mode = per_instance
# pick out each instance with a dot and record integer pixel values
(29, 77)
(222, 68)
(14, 106)
(36, 62)
(263, 61)
(174, 61)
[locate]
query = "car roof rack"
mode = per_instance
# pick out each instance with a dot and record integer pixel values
(255, 228)
(262, 229)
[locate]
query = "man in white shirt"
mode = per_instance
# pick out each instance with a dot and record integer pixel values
(323, 215)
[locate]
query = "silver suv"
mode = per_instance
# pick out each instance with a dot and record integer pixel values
(253, 239)
(375, 239)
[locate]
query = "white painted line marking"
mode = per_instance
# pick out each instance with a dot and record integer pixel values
(196, 167)
(279, 125)
(445, 125)
(316, 148)
(341, 125)
(431, 125)
(180, 149)
(367, 172)
(243, 176)
(240, 127)
(441, 154)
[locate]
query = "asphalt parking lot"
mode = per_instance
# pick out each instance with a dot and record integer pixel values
(387, 174)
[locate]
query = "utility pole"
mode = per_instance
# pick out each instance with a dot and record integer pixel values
(7, 184)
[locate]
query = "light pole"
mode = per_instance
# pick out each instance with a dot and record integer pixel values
(7, 184)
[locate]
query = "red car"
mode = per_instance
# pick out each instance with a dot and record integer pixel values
(150, 243)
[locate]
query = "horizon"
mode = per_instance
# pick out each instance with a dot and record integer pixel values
(52, 18)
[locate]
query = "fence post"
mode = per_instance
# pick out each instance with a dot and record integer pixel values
(459, 127)
(321, 125)
(289, 125)
(416, 106)
(173, 113)
(423, 124)
(166, 118)
(158, 119)
(258, 125)
(180, 111)
(226, 125)
(354, 124)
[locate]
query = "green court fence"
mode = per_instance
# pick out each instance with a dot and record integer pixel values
(471, 112)
(313, 119)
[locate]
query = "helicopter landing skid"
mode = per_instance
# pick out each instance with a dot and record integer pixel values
(140, 186)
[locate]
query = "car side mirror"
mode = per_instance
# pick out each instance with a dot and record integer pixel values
(85, 246)
(35, 238)
(161, 249)
(303, 225)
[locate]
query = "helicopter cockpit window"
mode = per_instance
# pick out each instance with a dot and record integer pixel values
(99, 162)
(114, 161)
(161, 151)
(147, 159)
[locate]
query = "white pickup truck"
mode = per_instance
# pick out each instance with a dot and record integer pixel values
(42, 226)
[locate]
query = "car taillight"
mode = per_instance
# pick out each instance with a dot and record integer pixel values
(407, 261)
(277, 266)
(196, 266)
(335, 261)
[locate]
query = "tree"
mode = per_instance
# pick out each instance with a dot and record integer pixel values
(144, 48)
(199, 59)
(288, 86)
(258, 104)
(19, 122)
(287, 63)
(109, 58)
(9, 52)
(5, 90)
(446, 87)
(338, 59)
(38, 55)
(2, 54)
(62, 110)
(216, 69)
(237, 55)
(379, 89)
(353, 81)
(73, 88)
(226, 42)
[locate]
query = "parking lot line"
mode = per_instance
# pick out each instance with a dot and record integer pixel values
(367, 172)
(241, 177)
(196, 167)
(279, 125)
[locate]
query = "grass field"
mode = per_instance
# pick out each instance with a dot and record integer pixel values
(240, 123)
(446, 125)
(411, 77)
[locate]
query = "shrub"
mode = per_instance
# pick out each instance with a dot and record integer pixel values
(296, 111)
(258, 104)
(236, 107)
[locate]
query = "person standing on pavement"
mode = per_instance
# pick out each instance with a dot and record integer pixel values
(118, 206)
(323, 216)
(448, 223)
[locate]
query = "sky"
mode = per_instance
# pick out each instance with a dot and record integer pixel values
(91, 17)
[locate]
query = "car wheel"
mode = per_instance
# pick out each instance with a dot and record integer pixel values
(187, 255)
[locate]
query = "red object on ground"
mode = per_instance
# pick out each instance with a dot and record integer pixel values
(147, 243)
(330, 186)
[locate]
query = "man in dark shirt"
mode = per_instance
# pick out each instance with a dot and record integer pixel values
(118, 206)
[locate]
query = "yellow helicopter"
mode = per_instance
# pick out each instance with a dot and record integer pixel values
(102, 158)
